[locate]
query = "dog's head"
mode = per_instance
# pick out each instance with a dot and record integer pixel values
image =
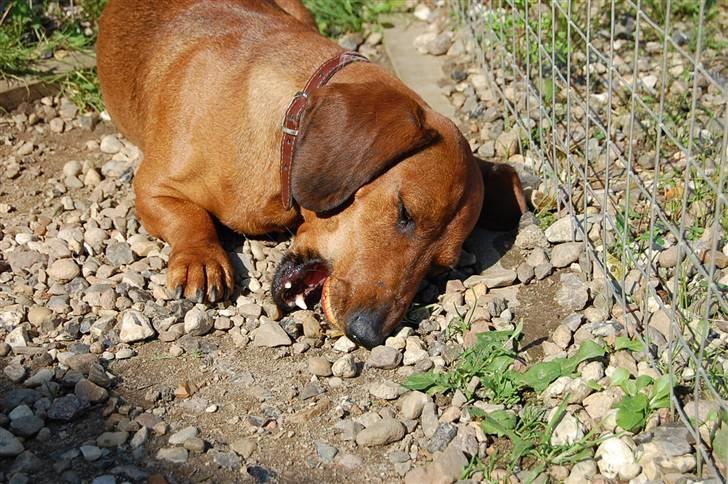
(388, 190)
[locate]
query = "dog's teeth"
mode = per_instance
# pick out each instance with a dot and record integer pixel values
(300, 302)
(287, 285)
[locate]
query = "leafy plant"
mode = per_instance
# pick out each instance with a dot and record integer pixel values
(335, 17)
(490, 359)
(530, 437)
(643, 396)
(624, 343)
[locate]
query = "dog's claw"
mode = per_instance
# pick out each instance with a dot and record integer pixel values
(199, 296)
(179, 291)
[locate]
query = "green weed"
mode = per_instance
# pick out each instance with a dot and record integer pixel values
(643, 396)
(82, 87)
(490, 360)
(530, 436)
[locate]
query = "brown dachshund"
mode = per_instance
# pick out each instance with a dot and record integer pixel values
(383, 188)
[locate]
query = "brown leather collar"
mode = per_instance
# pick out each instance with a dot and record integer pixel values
(294, 116)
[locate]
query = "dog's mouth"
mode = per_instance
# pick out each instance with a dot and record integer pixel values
(300, 283)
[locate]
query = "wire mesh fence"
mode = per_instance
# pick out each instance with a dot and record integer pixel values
(620, 106)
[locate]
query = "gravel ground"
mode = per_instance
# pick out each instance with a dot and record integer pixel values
(106, 378)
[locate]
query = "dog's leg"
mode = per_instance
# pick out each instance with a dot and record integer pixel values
(198, 267)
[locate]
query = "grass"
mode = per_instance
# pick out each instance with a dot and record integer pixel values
(336, 17)
(32, 31)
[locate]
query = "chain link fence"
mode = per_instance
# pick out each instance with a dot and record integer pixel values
(620, 106)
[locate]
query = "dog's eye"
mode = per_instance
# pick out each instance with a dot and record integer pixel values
(405, 223)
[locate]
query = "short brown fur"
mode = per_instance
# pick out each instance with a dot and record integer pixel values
(201, 87)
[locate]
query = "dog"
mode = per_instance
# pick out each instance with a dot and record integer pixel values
(246, 115)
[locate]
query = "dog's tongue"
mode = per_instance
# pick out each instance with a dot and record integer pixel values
(312, 279)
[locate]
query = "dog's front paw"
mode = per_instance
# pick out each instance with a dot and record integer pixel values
(200, 272)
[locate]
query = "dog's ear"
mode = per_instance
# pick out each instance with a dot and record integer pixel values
(503, 201)
(350, 134)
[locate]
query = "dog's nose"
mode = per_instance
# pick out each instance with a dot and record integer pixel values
(365, 329)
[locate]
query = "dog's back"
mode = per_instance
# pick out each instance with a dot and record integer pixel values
(142, 45)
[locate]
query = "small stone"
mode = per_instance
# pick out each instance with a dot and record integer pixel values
(89, 391)
(414, 352)
(139, 438)
(311, 327)
(572, 294)
(17, 338)
(506, 145)
(325, 451)
(345, 367)
(26, 426)
(348, 429)
(344, 345)
(176, 455)
(124, 354)
(384, 357)
(15, 373)
(567, 431)
(429, 419)
(180, 436)
(10, 446)
(63, 270)
(531, 237)
(440, 44)
(386, 390)
(350, 461)
(311, 390)
(525, 273)
(90, 452)
(19, 412)
(105, 479)
(562, 336)
(25, 149)
(197, 322)
(496, 276)
(270, 334)
(423, 12)
(40, 377)
(194, 444)
(111, 439)
(72, 168)
(134, 327)
(564, 230)
(411, 405)
(448, 466)
(542, 271)
(444, 433)
(384, 432)
(582, 472)
(176, 351)
(226, 460)
(565, 254)
(39, 316)
(319, 366)
(110, 145)
(119, 254)
(615, 460)
(244, 447)
(66, 408)
(668, 257)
